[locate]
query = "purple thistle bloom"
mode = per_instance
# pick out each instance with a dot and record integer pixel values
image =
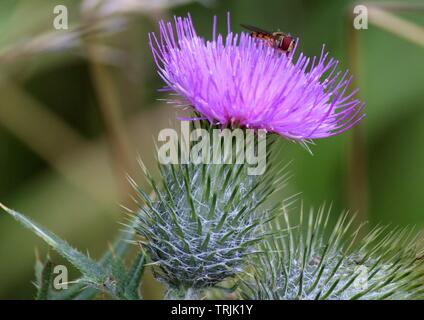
(240, 80)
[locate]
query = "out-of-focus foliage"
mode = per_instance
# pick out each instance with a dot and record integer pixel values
(77, 105)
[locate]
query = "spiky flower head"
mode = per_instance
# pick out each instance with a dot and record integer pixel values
(236, 79)
(316, 261)
(204, 221)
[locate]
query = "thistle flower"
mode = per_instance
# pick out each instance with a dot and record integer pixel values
(238, 80)
(204, 222)
(315, 261)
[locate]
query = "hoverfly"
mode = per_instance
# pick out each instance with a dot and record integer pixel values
(278, 40)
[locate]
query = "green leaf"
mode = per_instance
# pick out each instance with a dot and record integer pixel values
(92, 271)
(119, 276)
(78, 291)
(134, 277)
(38, 269)
(44, 275)
(119, 249)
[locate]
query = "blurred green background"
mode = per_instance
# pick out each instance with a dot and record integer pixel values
(77, 106)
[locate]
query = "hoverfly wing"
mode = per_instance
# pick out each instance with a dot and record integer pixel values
(255, 29)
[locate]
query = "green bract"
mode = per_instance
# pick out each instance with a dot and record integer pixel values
(204, 222)
(319, 261)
